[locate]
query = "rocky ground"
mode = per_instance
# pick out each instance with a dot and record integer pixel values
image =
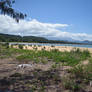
(38, 78)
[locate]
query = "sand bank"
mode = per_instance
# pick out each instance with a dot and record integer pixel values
(48, 48)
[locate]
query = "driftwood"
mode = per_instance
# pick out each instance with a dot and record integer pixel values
(22, 66)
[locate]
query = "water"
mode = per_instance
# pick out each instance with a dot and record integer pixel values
(48, 44)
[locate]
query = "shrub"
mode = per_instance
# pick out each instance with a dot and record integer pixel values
(86, 53)
(71, 85)
(24, 58)
(20, 46)
(52, 46)
(6, 45)
(16, 75)
(78, 72)
(54, 50)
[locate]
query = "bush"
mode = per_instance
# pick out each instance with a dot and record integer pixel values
(6, 45)
(24, 58)
(20, 46)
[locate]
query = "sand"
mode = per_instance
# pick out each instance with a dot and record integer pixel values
(48, 48)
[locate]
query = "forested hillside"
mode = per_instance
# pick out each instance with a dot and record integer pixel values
(18, 38)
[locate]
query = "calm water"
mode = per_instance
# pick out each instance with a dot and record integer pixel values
(47, 44)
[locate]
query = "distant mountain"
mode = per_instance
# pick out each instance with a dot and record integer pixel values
(18, 38)
(88, 42)
(10, 38)
(63, 39)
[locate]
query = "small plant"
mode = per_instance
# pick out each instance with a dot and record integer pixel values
(34, 45)
(55, 50)
(52, 46)
(30, 45)
(39, 45)
(42, 89)
(71, 85)
(56, 65)
(78, 72)
(43, 48)
(35, 48)
(20, 46)
(6, 45)
(86, 53)
(11, 46)
(24, 58)
(44, 61)
(33, 88)
(16, 75)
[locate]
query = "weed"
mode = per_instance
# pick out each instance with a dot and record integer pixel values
(20, 46)
(71, 85)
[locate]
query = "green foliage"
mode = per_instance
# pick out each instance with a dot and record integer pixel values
(79, 77)
(81, 73)
(6, 8)
(54, 66)
(86, 53)
(78, 72)
(71, 85)
(16, 75)
(24, 58)
(20, 46)
(4, 52)
(6, 45)
(17, 38)
(71, 58)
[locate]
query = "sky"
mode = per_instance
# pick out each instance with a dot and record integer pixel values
(53, 19)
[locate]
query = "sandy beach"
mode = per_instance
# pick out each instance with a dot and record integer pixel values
(49, 48)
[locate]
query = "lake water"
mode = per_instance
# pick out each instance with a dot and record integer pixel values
(47, 44)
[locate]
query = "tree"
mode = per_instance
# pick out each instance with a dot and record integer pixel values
(6, 8)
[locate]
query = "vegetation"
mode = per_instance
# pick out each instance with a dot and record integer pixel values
(76, 78)
(80, 76)
(67, 58)
(20, 46)
(71, 58)
(6, 8)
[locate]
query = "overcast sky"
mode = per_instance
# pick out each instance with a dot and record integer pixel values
(54, 19)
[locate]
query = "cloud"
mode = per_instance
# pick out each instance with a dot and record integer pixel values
(35, 28)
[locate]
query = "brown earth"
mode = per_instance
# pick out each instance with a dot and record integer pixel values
(34, 78)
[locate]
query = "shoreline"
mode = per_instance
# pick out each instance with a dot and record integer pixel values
(49, 48)
(52, 44)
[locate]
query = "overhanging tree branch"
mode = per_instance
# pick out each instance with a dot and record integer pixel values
(6, 8)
